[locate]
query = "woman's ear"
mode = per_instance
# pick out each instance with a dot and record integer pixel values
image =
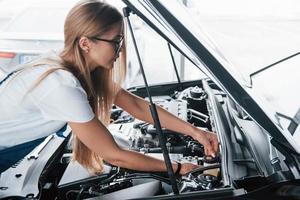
(85, 44)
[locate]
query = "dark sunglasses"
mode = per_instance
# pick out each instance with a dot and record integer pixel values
(117, 43)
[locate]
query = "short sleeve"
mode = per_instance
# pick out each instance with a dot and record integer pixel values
(65, 103)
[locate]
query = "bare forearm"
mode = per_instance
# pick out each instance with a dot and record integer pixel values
(137, 161)
(97, 138)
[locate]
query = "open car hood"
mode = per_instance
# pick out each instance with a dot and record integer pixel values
(170, 20)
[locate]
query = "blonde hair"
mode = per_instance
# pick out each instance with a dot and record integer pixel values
(89, 18)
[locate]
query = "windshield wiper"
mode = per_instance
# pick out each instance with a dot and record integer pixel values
(271, 65)
(295, 121)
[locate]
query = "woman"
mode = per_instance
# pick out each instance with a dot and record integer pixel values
(78, 87)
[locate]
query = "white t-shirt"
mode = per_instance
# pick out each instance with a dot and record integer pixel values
(58, 99)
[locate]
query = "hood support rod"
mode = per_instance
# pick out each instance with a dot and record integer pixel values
(161, 136)
(175, 68)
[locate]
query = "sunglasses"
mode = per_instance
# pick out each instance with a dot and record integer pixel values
(117, 43)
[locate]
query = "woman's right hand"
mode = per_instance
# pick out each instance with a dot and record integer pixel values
(187, 167)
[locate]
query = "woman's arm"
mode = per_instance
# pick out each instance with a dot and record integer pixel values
(96, 137)
(139, 108)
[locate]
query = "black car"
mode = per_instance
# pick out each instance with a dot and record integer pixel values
(259, 151)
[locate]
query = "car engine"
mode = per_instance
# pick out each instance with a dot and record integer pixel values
(190, 105)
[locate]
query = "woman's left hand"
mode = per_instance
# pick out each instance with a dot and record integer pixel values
(208, 139)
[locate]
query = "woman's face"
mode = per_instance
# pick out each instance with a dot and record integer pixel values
(105, 49)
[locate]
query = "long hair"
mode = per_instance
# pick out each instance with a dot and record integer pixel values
(90, 18)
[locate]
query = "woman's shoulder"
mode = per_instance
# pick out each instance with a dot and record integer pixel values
(46, 73)
(63, 76)
(49, 74)
(43, 81)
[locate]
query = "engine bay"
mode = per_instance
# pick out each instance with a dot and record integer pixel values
(190, 105)
(49, 172)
